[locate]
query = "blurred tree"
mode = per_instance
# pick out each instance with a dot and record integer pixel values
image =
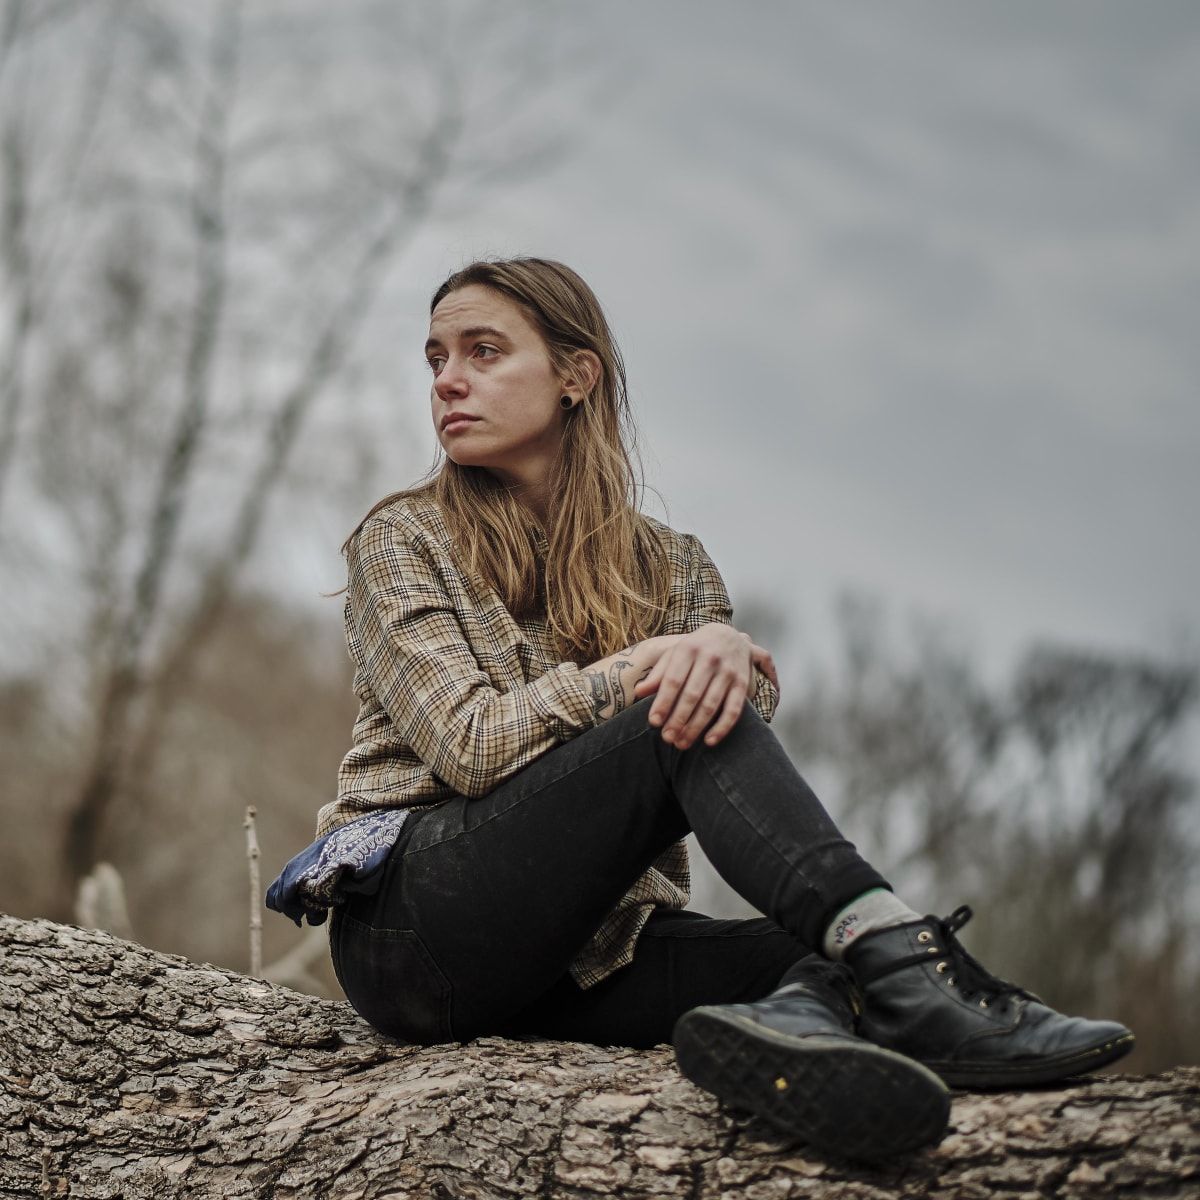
(200, 206)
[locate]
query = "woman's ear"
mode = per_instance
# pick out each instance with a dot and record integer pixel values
(584, 372)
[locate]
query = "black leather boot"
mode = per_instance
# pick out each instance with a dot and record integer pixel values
(926, 997)
(793, 1058)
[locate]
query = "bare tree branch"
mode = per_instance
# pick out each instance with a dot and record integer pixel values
(31, 268)
(74, 159)
(327, 356)
(208, 225)
(256, 908)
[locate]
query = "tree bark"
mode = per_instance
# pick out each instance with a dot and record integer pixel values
(129, 1073)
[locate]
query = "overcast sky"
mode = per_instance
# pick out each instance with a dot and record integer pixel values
(908, 297)
(907, 294)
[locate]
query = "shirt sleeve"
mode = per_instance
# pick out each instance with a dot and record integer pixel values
(708, 600)
(407, 638)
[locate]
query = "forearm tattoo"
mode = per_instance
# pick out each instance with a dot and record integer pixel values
(618, 689)
(600, 692)
(610, 690)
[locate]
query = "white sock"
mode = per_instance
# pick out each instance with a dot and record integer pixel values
(876, 909)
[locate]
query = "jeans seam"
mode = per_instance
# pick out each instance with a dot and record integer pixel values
(727, 792)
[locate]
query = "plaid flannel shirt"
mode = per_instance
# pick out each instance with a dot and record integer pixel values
(457, 696)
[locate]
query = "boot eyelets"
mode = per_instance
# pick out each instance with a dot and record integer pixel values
(924, 935)
(983, 1004)
(951, 981)
(933, 950)
(941, 968)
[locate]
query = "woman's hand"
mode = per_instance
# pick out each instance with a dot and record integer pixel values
(703, 674)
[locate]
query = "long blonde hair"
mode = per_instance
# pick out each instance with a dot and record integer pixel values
(606, 579)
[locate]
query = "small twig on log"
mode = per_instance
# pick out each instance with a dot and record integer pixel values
(255, 902)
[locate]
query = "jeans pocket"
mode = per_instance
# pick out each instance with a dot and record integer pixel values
(391, 981)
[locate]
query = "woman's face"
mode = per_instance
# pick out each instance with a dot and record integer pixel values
(490, 363)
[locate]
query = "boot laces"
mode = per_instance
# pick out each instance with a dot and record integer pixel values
(972, 978)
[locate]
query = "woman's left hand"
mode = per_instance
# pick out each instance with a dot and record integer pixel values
(705, 673)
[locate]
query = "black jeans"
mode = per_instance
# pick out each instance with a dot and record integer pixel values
(484, 903)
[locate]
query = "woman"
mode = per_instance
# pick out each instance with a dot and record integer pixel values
(552, 696)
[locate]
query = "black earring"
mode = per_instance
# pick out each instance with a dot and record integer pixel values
(567, 402)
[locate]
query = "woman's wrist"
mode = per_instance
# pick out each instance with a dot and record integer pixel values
(612, 680)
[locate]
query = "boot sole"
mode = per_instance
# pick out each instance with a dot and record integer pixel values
(848, 1098)
(1042, 1070)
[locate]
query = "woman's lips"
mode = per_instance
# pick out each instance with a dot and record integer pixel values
(461, 423)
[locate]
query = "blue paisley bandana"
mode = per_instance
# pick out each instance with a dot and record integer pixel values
(350, 859)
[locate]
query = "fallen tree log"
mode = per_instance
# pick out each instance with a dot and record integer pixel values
(129, 1073)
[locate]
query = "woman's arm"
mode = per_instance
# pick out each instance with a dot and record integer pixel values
(612, 680)
(406, 616)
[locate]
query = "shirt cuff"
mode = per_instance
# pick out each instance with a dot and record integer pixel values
(766, 695)
(563, 700)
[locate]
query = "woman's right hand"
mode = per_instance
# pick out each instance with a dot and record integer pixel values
(700, 675)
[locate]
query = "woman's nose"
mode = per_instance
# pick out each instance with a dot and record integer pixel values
(450, 381)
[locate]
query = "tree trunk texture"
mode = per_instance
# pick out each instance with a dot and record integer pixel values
(129, 1073)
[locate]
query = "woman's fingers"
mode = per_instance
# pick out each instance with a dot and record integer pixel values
(735, 701)
(717, 712)
(671, 708)
(705, 675)
(703, 693)
(721, 684)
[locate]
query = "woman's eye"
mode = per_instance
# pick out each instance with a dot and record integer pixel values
(435, 364)
(486, 351)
